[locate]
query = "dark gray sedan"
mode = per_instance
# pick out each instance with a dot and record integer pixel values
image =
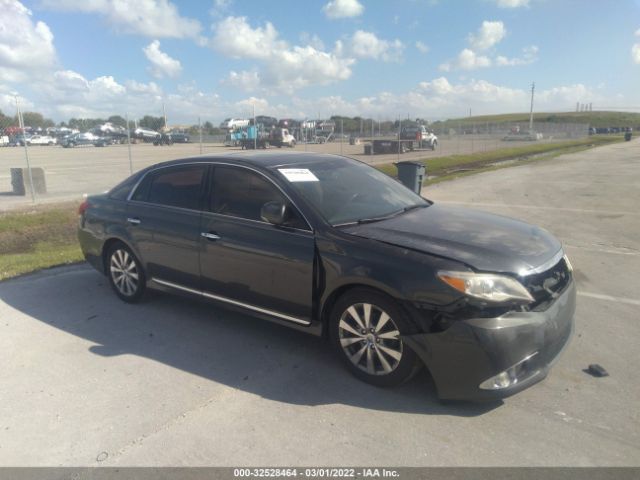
(331, 246)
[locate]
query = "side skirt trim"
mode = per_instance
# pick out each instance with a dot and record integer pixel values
(232, 302)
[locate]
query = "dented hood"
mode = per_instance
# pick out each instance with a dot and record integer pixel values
(484, 241)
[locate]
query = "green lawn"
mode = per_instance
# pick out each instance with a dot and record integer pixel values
(594, 119)
(446, 165)
(40, 237)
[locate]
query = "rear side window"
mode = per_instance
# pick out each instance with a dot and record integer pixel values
(173, 186)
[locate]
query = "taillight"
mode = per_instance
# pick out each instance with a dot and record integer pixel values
(83, 207)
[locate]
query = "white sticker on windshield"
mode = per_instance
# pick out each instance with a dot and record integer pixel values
(298, 175)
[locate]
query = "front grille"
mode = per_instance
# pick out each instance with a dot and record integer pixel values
(545, 287)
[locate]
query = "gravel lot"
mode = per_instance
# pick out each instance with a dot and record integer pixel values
(88, 380)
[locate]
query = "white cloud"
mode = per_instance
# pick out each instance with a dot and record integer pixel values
(635, 53)
(245, 80)
(151, 18)
(489, 34)
(343, 9)
(368, 45)
(637, 34)
(512, 3)
(422, 47)
(466, 60)
(162, 65)
(26, 48)
(314, 40)
(234, 37)
(529, 55)
(283, 67)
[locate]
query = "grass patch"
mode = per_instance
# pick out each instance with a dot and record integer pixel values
(38, 237)
(594, 119)
(446, 166)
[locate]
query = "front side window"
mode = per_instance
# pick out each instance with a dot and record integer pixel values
(239, 192)
(179, 186)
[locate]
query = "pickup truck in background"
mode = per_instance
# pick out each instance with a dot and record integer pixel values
(411, 138)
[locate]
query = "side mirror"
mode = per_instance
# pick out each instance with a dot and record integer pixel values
(274, 212)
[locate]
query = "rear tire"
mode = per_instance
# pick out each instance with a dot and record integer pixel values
(366, 328)
(125, 273)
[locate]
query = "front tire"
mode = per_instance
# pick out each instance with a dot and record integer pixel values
(125, 273)
(366, 330)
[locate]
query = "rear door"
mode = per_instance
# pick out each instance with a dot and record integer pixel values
(248, 261)
(163, 218)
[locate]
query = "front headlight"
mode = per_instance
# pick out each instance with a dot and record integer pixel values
(487, 286)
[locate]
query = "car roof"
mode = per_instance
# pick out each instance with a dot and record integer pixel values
(256, 159)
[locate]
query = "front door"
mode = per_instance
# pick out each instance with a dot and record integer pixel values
(248, 261)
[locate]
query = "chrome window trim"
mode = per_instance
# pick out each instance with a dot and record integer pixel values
(231, 302)
(259, 222)
(545, 266)
(214, 163)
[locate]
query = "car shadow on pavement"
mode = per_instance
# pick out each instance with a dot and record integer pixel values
(217, 344)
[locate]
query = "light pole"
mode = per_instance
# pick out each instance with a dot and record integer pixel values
(129, 145)
(26, 149)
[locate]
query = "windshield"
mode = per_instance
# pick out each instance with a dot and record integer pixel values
(346, 191)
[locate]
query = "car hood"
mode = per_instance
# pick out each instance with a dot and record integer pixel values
(481, 240)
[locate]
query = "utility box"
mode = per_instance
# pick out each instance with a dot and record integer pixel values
(21, 184)
(411, 175)
(627, 136)
(368, 149)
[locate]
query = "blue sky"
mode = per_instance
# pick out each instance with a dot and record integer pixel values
(387, 59)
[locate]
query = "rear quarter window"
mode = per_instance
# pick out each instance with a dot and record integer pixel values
(122, 190)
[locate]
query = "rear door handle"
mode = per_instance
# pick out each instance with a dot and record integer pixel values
(133, 221)
(210, 236)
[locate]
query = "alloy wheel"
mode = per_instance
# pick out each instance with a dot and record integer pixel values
(370, 339)
(124, 272)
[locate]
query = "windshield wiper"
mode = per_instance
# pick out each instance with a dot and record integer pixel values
(383, 217)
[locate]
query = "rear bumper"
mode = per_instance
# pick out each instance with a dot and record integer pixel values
(473, 351)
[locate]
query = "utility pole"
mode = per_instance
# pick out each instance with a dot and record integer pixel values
(129, 145)
(533, 89)
(255, 139)
(26, 149)
(164, 115)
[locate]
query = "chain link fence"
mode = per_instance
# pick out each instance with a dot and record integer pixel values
(47, 170)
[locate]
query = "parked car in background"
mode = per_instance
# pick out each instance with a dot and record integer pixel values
(163, 139)
(84, 140)
(419, 133)
(331, 246)
(179, 137)
(19, 140)
(145, 134)
(42, 140)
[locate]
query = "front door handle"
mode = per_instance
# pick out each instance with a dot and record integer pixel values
(133, 221)
(210, 236)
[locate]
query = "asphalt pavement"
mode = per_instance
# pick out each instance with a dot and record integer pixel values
(87, 380)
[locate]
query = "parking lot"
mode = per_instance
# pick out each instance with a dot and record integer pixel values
(71, 172)
(89, 380)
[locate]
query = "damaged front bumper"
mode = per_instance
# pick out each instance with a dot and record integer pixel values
(493, 358)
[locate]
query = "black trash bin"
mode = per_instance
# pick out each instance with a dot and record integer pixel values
(411, 174)
(627, 136)
(368, 149)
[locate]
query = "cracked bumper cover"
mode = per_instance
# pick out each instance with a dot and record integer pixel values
(474, 350)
